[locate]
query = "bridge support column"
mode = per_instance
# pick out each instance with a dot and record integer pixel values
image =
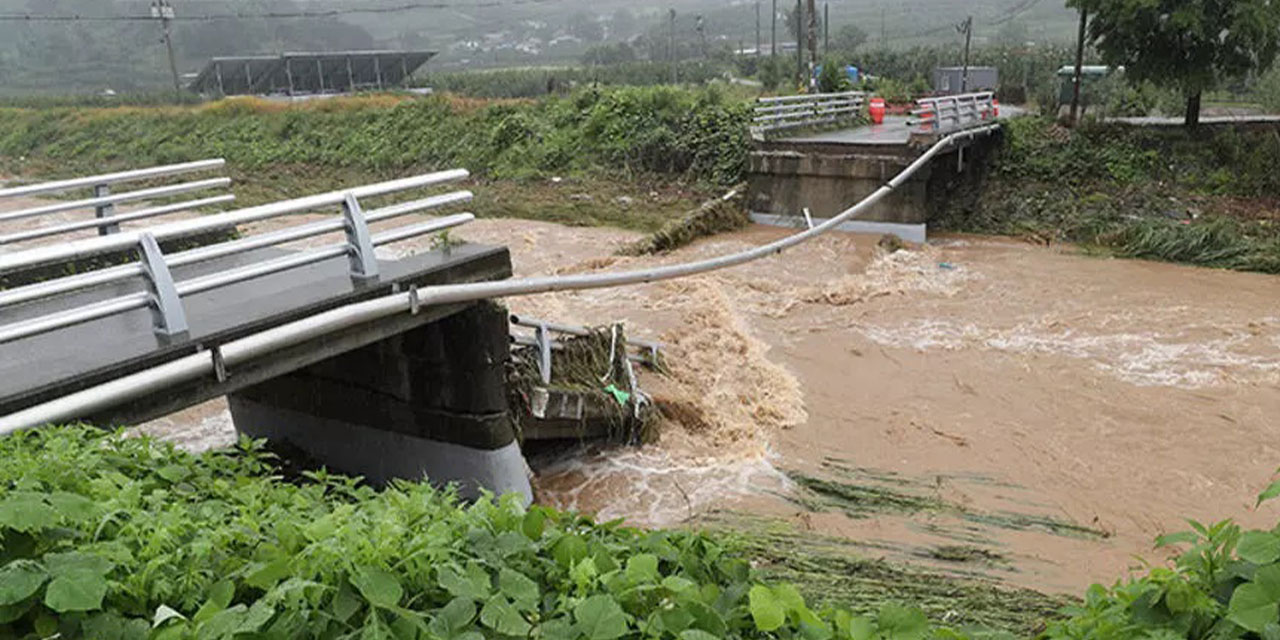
(430, 403)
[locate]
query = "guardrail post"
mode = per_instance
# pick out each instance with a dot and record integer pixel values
(167, 314)
(364, 264)
(104, 210)
(543, 337)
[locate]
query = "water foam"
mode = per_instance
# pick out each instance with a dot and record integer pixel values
(1179, 359)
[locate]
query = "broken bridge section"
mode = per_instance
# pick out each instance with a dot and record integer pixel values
(403, 395)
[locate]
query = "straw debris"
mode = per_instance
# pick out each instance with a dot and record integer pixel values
(726, 213)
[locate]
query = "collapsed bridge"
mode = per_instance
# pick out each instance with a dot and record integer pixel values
(380, 367)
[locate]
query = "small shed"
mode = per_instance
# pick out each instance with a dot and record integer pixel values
(950, 80)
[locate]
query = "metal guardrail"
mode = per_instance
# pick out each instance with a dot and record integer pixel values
(792, 112)
(163, 295)
(945, 114)
(647, 351)
(106, 220)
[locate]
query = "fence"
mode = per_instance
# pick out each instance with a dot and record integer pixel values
(818, 109)
(103, 202)
(945, 114)
(163, 295)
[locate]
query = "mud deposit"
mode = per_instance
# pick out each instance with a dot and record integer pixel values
(981, 406)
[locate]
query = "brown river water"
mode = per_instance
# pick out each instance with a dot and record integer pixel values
(1064, 409)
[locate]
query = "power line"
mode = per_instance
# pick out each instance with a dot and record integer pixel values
(1014, 12)
(275, 15)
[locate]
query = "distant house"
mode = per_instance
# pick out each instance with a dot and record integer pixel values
(950, 80)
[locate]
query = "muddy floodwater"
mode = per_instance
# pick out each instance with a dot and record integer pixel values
(1043, 412)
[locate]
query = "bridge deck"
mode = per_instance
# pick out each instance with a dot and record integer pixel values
(38, 368)
(894, 131)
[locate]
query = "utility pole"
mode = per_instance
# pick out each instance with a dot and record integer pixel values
(966, 28)
(163, 11)
(826, 28)
(757, 28)
(812, 10)
(702, 34)
(773, 41)
(799, 43)
(1075, 88)
(671, 46)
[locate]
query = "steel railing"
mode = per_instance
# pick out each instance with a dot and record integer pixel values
(812, 110)
(945, 114)
(103, 202)
(163, 295)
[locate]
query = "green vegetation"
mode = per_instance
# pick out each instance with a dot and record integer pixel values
(1191, 44)
(1200, 198)
(832, 571)
(695, 134)
(103, 536)
(1226, 584)
(111, 537)
(865, 493)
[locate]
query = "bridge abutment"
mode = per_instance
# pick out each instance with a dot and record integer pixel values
(429, 402)
(828, 173)
(785, 179)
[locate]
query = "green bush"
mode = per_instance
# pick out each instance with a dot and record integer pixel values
(695, 133)
(103, 536)
(1137, 192)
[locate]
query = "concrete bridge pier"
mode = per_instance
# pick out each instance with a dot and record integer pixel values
(430, 402)
(827, 172)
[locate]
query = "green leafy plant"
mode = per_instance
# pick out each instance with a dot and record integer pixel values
(103, 536)
(1225, 584)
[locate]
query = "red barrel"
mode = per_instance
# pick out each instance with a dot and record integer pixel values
(877, 110)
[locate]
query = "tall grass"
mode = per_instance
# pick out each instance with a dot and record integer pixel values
(698, 134)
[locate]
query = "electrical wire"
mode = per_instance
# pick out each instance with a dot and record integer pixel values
(1013, 12)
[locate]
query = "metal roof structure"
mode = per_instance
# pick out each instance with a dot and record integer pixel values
(308, 73)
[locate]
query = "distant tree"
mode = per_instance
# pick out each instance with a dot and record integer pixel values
(585, 26)
(1190, 44)
(848, 38)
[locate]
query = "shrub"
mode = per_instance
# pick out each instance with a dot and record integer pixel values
(694, 133)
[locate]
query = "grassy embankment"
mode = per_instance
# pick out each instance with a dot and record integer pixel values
(629, 157)
(1209, 197)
